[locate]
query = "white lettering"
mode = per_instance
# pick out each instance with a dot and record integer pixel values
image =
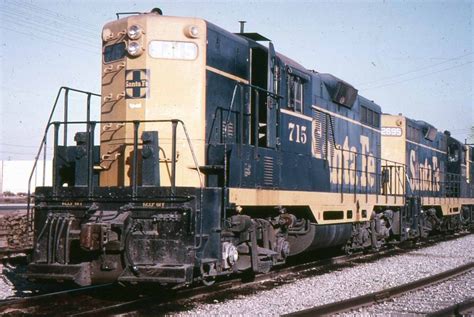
(391, 131)
(134, 105)
(297, 133)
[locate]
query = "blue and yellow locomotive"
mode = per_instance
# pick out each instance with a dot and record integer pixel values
(214, 154)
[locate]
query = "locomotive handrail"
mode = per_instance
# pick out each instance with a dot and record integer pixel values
(137, 122)
(134, 184)
(44, 140)
(268, 92)
(378, 161)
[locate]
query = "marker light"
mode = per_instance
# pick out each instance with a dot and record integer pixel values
(134, 32)
(134, 49)
(192, 31)
(107, 35)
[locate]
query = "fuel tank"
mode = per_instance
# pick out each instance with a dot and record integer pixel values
(319, 236)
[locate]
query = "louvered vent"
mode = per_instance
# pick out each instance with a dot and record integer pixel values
(323, 136)
(268, 170)
(330, 137)
(319, 133)
(230, 130)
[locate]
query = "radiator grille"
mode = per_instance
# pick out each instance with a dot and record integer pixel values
(323, 136)
(268, 170)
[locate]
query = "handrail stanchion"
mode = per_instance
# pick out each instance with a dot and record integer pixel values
(342, 175)
(90, 157)
(256, 123)
(196, 163)
(241, 121)
(88, 115)
(173, 157)
(43, 144)
(355, 177)
(55, 154)
(136, 125)
(66, 110)
(44, 161)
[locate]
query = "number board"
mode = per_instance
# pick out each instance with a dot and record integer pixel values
(296, 134)
(391, 131)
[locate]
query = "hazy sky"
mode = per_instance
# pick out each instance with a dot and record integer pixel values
(411, 57)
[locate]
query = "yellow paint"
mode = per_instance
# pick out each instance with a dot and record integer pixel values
(393, 153)
(318, 202)
(449, 205)
(227, 75)
(176, 91)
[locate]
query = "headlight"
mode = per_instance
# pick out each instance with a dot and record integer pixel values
(192, 31)
(134, 32)
(134, 48)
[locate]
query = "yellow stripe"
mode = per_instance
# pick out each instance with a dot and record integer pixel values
(345, 118)
(318, 202)
(227, 75)
(296, 114)
(426, 146)
(447, 204)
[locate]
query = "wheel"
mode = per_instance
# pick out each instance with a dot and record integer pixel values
(208, 280)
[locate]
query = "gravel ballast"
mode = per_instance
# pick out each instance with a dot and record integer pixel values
(348, 282)
(7, 288)
(425, 301)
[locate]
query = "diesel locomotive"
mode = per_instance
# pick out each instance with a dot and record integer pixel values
(214, 154)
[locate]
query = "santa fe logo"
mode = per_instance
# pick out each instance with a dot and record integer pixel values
(136, 83)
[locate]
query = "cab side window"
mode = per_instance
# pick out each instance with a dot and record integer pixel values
(295, 93)
(369, 117)
(453, 153)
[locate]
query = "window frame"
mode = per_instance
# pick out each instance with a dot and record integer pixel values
(369, 117)
(113, 50)
(295, 87)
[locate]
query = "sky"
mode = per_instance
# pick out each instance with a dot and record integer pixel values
(410, 57)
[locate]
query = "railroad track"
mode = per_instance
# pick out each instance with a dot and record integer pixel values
(115, 299)
(13, 207)
(59, 303)
(465, 308)
(387, 294)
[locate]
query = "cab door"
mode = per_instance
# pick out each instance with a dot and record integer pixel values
(272, 102)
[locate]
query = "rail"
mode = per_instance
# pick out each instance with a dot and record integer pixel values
(356, 172)
(365, 174)
(386, 294)
(465, 308)
(353, 172)
(90, 143)
(253, 138)
(433, 182)
(136, 126)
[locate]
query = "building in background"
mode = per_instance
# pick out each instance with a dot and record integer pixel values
(14, 175)
(1, 178)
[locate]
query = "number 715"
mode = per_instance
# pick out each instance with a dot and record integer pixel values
(297, 133)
